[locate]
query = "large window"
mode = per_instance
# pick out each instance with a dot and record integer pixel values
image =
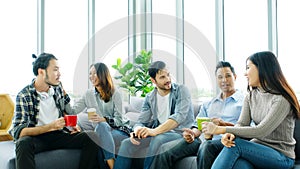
(246, 32)
(111, 30)
(164, 33)
(288, 45)
(66, 36)
(67, 27)
(199, 49)
(18, 42)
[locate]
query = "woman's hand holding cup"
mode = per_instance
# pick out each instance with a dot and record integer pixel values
(91, 114)
(208, 128)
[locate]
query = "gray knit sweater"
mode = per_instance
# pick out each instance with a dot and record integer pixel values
(273, 118)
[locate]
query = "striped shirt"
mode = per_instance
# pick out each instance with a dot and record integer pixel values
(28, 107)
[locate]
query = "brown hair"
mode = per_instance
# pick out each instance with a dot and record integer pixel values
(105, 81)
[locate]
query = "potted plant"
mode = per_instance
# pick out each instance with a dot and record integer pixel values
(134, 76)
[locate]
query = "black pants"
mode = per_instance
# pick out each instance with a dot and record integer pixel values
(28, 146)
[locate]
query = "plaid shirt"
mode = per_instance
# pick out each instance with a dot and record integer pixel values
(27, 108)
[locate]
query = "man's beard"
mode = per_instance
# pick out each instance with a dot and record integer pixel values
(48, 82)
(163, 87)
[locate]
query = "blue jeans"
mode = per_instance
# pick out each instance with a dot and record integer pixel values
(173, 151)
(109, 139)
(208, 152)
(128, 150)
(258, 155)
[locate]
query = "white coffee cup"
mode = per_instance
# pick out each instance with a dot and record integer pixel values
(91, 112)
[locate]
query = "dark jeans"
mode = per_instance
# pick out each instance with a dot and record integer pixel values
(208, 152)
(28, 146)
(128, 151)
(174, 151)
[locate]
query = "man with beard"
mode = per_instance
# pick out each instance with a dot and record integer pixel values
(223, 110)
(165, 112)
(39, 124)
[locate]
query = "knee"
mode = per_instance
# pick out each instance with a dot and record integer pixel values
(126, 148)
(24, 144)
(158, 140)
(205, 146)
(91, 136)
(102, 127)
(126, 143)
(172, 145)
(163, 149)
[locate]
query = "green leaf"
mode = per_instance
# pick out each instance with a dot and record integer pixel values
(119, 62)
(128, 66)
(115, 67)
(139, 60)
(122, 71)
(134, 76)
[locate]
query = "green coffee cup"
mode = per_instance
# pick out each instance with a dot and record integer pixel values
(200, 120)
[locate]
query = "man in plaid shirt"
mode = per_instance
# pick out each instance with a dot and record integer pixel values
(38, 123)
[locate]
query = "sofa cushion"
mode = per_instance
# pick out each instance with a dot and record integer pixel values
(133, 117)
(7, 149)
(59, 159)
(136, 104)
(196, 107)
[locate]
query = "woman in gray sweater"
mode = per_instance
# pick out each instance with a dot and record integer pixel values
(109, 121)
(272, 106)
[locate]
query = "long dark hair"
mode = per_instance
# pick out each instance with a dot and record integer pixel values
(105, 81)
(272, 79)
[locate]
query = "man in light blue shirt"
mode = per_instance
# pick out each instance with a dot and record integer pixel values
(223, 110)
(227, 110)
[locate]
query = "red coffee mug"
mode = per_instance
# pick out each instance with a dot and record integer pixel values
(71, 120)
